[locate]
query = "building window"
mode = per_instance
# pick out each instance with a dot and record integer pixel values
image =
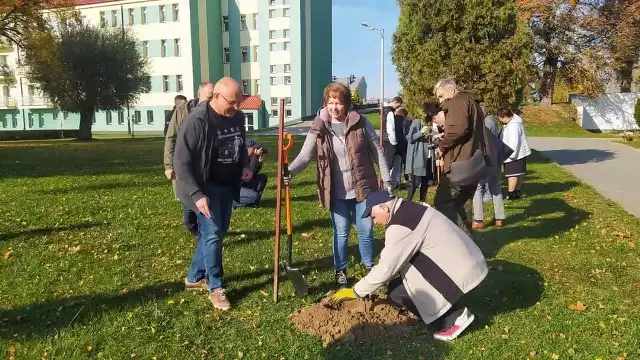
(272, 34)
(272, 2)
(274, 112)
(145, 48)
(165, 83)
(103, 19)
(287, 100)
(149, 117)
(245, 87)
(256, 52)
(287, 45)
(143, 15)
(65, 115)
(176, 47)
(30, 120)
(163, 13)
(225, 23)
(114, 18)
(245, 54)
(248, 125)
(285, 12)
(41, 120)
(287, 33)
(226, 56)
(4, 60)
(120, 117)
(108, 116)
(166, 113)
(287, 68)
(273, 69)
(132, 19)
(287, 113)
(176, 12)
(274, 101)
(272, 13)
(287, 80)
(163, 48)
(255, 21)
(179, 86)
(243, 22)
(273, 46)
(257, 86)
(137, 117)
(274, 80)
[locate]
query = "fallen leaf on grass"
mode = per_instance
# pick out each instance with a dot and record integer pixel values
(555, 356)
(307, 235)
(6, 255)
(579, 306)
(12, 352)
(622, 234)
(264, 293)
(532, 354)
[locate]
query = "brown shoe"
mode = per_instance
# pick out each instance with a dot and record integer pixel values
(477, 225)
(219, 299)
(195, 286)
(498, 223)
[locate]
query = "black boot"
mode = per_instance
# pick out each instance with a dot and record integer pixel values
(341, 278)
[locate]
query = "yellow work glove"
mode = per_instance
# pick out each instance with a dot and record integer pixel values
(344, 295)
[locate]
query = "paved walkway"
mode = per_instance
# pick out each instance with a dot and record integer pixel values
(611, 168)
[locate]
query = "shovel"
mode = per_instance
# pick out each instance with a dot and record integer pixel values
(300, 285)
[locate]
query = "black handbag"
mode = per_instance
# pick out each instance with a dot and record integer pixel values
(474, 170)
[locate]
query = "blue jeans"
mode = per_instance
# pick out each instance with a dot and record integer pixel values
(343, 214)
(207, 259)
(190, 219)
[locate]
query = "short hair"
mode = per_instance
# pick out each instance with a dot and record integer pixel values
(430, 110)
(401, 111)
(505, 112)
(445, 83)
(205, 83)
(398, 99)
(338, 91)
(180, 97)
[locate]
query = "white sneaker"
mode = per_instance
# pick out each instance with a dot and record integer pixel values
(462, 322)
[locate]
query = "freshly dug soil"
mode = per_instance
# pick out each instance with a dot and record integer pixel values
(352, 321)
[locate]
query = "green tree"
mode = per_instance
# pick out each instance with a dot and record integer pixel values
(479, 43)
(19, 18)
(355, 97)
(84, 69)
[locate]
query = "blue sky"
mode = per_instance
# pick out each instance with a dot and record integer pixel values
(356, 50)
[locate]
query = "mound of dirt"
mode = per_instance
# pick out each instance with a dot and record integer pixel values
(355, 320)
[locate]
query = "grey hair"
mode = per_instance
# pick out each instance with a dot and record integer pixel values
(445, 83)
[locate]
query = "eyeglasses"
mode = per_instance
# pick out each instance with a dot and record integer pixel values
(229, 102)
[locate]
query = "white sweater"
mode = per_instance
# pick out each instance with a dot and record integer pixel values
(514, 137)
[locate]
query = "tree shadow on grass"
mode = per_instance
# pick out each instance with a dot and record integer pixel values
(49, 230)
(46, 318)
(508, 287)
(546, 188)
(106, 186)
(266, 235)
(542, 219)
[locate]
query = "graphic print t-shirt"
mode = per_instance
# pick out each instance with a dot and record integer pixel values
(228, 141)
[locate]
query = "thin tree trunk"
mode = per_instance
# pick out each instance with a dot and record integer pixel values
(625, 77)
(86, 121)
(548, 80)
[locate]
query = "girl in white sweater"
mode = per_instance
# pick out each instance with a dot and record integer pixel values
(513, 135)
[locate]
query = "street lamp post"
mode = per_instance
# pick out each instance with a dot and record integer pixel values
(382, 119)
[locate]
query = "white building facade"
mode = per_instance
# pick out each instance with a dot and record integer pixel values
(274, 48)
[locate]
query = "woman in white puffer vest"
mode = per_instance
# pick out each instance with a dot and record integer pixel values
(513, 135)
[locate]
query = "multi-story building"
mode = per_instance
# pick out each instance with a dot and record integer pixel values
(274, 48)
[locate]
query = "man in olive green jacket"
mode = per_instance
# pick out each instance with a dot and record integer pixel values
(205, 93)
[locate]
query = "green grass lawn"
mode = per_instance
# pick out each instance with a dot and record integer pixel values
(634, 143)
(93, 254)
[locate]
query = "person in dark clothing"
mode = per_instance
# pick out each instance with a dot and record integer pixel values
(211, 163)
(401, 129)
(251, 192)
(177, 101)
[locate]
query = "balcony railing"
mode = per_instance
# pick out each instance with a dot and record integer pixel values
(7, 102)
(36, 101)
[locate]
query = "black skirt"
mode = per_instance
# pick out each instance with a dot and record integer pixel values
(515, 168)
